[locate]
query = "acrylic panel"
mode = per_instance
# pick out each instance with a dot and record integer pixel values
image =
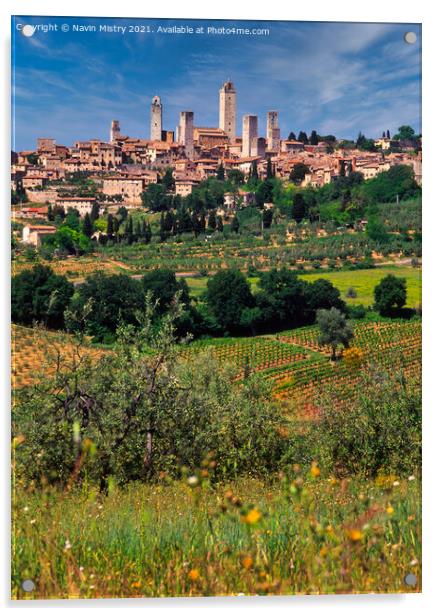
(216, 307)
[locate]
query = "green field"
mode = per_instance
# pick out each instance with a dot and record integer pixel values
(362, 281)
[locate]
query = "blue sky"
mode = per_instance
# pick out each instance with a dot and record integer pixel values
(338, 78)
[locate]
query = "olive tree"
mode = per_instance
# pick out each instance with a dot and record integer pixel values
(334, 329)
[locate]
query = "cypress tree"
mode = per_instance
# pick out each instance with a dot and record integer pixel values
(254, 171)
(162, 232)
(211, 221)
(269, 170)
(147, 234)
(110, 226)
(87, 226)
(221, 173)
(94, 214)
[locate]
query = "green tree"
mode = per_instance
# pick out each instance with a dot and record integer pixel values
(405, 133)
(267, 217)
(235, 224)
(334, 329)
(114, 299)
(269, 168)
(146, 232)
(40, 295)
(163, 287)
(298, 173)
(302, 136)
(212, 221)
(322, 294)
(376, 230)
(228, 294)
(72, 220)
(281, 299)
(128, 230)
(253, 174)
(155, 198)
(94, 214)
(291, 137)
(110, 225)
(220, 173)
(264, 193)
(236, 177)
(87, 225)
(168, 179)
(390, 295)
(298, 207)
(314, 139)
(33, 158)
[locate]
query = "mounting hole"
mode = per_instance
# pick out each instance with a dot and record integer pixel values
(410, 579)
(27, 30)
(410, 38)
(28, 585)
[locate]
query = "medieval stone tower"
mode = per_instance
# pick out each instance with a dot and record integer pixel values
(115, 131)
(186, 132)
(228, 109)
(156, 119)
(250, 136)
(272, 131)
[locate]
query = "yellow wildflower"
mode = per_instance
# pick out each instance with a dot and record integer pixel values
(354, 534)
(194, 575)
(252, 517)
(247, 562)
(314, 471)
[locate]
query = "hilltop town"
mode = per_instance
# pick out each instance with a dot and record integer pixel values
(122, 168)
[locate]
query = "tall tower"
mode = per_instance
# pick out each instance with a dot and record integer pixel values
(272, 131)
(250, 136)
(186, 132)
(115, 131)
(228, 109)
(156, 119)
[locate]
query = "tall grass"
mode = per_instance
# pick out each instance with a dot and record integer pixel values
(297, 534)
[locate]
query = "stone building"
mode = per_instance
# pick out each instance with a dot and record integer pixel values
(186, 132)
(185, 186)
(210, 137)
(156, 119)
(115, 131)
(228, 110)
(272, 131)
(33, 234)
(83, 205)
(250, 136)
(46, 145)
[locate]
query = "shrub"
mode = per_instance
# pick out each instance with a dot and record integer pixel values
(357, 312)
(379, 432)
(138, 411)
